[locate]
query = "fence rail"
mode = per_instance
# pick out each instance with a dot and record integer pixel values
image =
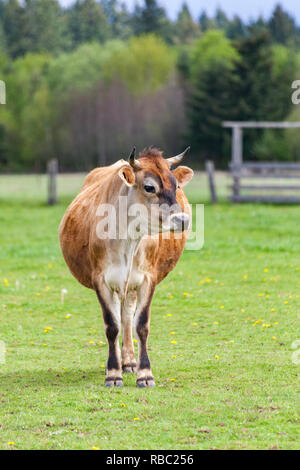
(264, 170)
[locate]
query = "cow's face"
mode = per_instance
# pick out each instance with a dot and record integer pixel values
(155, 186)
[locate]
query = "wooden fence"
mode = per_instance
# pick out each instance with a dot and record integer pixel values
(263, 170)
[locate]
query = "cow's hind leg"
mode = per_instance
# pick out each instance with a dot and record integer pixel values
(111, 309)
(127, 314)
(142, 327)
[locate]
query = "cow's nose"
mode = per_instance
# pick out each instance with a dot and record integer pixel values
(180, 222)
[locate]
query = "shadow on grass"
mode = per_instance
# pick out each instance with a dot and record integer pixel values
(43, 379)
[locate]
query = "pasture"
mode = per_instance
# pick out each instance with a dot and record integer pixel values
(222, 328)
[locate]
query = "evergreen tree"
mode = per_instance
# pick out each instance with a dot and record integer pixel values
(87, 22)
(186, 28)
(206, 23)
(262, 91)
(118, 18)
(15, 28)
(210, 100)
(151, 18)
(47, 29)
(221, 19)
(282, 26)
(236, 28)
(210, 103)
(258, 26)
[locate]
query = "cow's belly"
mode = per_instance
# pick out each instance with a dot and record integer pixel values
(119, 278)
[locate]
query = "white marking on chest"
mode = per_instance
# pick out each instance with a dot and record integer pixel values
(123, 272)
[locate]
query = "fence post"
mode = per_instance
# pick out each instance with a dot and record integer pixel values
(210, 168)
(237, 157)
(52, 167)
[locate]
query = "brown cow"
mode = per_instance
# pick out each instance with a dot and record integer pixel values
(124, 270)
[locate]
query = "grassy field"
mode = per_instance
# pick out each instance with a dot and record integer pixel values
(222, 329)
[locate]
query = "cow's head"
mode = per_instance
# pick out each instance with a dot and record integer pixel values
(155, 185)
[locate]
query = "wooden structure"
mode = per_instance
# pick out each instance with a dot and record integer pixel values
(52, 169)
(272, 170)
(210, 169)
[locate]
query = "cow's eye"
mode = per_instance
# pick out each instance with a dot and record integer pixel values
(149, 188)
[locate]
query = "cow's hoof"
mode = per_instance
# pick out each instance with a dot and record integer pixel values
(114, 382)
(145, 382)
(129, 368)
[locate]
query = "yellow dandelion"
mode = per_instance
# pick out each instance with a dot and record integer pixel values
(11, 443)
(274, 337)
(92, 342)
(174, 342)
(123, 404)
(216, 322)
(172, 380)
(95, 448)
(221, 306)
(245, 276)
(37, 294)
(276, 323)
(174, 357)
(171, 296)
(266, 270)
(216, 357)
(136, 419)
(169, 315)
(172, 332)
(68, 316)
(102, 366)
(135, 341)
(195, 324)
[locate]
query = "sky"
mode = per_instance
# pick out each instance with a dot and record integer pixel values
(244, 8)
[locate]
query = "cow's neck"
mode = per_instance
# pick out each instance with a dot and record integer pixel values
(122, 256)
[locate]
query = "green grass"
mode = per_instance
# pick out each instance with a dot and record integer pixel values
(224, 384)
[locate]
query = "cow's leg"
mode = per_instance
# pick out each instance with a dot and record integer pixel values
(142, 327)
(127, 314)
(111, 309)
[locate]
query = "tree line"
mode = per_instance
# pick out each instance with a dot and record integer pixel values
(85, 83)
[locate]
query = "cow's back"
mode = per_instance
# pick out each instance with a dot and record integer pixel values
(78, 223)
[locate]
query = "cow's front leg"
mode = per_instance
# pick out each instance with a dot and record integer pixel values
(111, 309)
(142, 328)
(128, 311)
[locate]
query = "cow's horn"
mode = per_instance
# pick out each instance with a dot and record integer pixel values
(133, 162)
(178, 158)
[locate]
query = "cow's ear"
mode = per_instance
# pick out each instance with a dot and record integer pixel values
(183, 174)
(127, 175)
